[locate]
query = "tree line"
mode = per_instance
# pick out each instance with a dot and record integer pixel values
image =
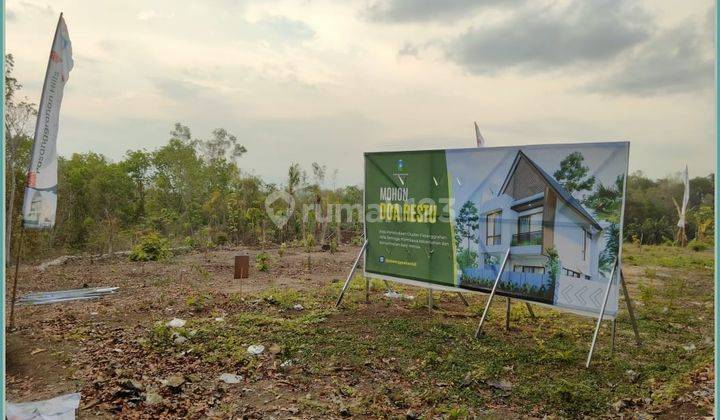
(193, 191)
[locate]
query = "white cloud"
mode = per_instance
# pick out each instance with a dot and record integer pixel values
(319, 81)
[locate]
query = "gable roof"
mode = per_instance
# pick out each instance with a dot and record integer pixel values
(552, 183)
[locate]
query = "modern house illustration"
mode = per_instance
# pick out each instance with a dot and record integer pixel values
(535, 217)
(41, 208)
(33, 216)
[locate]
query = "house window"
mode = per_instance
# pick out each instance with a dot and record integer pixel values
(571, 273)
(529, 269)
(492, 225)
(529, 230)
(586, 243)
(530, 223)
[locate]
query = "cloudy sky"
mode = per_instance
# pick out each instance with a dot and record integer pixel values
(304, 81)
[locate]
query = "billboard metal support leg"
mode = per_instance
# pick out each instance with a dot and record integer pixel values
(602, 314)
(460, 295)
(430, 299)
(631, 312)
(530, 310)
(367, 290)
(612, 340)
(492, 293)
(507, 316)
(350, 276)
(387, 285)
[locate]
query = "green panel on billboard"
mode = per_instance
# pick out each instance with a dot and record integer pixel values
(406, 203)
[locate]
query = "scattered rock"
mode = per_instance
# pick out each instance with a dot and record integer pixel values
(619, 405)
(179, 339)
(395, 295)
(131, 384)
(256, 349)
(176, 323)
(275, 348)
(502, 384)
(689, 347)
(286, 364)
(219, 319)
(632, 376)
(175, 381)
(298, 307)
(230, 378)
(153, 398)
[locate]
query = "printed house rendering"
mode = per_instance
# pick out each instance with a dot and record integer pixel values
(550, 234)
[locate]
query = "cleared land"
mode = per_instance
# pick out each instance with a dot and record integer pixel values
(389, 357)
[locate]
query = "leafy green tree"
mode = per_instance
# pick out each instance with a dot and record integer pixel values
(19, 116)
(573, 174)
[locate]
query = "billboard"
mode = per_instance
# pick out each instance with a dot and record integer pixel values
(446, 218)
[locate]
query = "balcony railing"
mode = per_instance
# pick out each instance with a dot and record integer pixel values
(527, 238)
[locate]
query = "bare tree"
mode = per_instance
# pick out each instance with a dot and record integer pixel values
(19, 115)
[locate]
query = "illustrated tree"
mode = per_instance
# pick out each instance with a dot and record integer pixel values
(606, 201)
(573, 174)
(467, 223)
(612, 246)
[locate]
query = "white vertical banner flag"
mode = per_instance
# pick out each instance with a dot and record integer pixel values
(686, 198)
(40, 200)
(478, 136)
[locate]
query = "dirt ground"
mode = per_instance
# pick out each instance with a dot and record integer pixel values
(118, 353)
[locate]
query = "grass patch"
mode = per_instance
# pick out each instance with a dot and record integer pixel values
(392, 356)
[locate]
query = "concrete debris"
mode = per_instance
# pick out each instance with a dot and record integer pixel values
(230, 378)
(256, 349)
(58, 408)
(176, 323)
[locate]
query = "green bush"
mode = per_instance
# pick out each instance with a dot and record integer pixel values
(221, 239)
(262, 260)
(697, 246)
(152, 247)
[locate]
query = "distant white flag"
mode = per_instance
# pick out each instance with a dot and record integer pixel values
(478, 136)
(686, 198)
(40, 200)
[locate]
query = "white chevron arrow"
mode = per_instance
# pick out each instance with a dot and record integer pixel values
(578, 295)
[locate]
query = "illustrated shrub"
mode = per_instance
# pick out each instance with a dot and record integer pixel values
(152, 247)
(467, 258)
(553, 264)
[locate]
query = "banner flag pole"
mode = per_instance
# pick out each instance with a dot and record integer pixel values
(15, 279)
(492, 293)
